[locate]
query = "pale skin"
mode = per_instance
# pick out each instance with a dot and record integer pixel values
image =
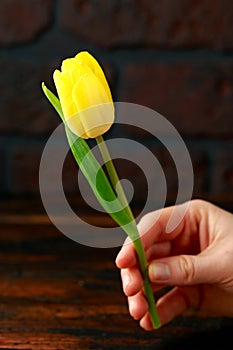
(195, 260)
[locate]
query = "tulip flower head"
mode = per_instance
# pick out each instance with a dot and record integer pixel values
(85, 96)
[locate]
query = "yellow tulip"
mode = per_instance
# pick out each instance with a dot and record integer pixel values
(85, 96)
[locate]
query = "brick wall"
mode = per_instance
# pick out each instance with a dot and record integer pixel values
(173, 56)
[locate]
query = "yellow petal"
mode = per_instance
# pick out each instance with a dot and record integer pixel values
(64, 90)
(75, 125)
(81, 84)
(88, 60)
(96, 112)
(69, 64)
(69, 108)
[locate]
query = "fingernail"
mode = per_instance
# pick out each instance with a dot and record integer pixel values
(159, 271)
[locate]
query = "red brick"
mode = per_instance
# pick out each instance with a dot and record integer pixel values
(24, 171)
(23, 107)
(130, 171)
(197, 98)
(160, 23)
(25, 163)
(103, 22)
(22, 20)
(199, 164)
(2, 170)
(190, 23)
(70, 176)
(222, 181)
(137, 177)
(200, 171)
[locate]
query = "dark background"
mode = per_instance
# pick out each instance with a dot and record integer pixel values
(173, 56)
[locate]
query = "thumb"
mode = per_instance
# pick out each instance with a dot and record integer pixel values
(183, 270)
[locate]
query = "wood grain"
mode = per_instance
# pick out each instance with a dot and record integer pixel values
(58, 294)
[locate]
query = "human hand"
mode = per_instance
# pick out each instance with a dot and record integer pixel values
(196, 258)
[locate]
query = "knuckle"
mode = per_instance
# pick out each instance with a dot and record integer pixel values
(133, 310)
(187, 268)
(196, 204)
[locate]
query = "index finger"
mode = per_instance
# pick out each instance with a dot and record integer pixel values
(152, 229)
(127, 256)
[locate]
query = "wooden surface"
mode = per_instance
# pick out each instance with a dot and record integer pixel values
(58, 294)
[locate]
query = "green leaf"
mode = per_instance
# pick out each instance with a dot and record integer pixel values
(53, 100)
(94, 174)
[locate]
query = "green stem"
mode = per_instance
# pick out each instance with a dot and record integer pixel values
(113, 175)
(148, 292)
(137, 240)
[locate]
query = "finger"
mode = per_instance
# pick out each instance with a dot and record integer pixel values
(153, 226)
(158, 250)
(184, 270)
(157, 287)
(127, 257)
(172, 304)
(176, 301)
(145, 322)
(137, 305)
(152, 229)
(131, 280)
